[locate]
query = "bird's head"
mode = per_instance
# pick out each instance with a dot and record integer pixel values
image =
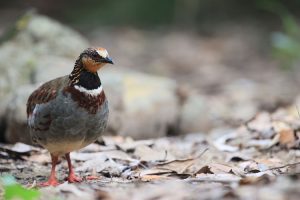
(95, 58)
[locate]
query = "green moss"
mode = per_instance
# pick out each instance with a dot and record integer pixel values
(13, 190)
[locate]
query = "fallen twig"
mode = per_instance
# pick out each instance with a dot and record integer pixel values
(283, 166)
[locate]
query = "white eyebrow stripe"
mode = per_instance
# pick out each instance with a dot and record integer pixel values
(103, 53)
(93, 92)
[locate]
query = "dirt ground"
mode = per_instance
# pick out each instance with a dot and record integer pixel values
(258, 160)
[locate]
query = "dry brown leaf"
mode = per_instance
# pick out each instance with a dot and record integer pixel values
(39, 158)
(145, 153)
(131, 145)
(224, 178)
(125, 144)
(99, 165)
(221, 145)
(97, 148)
(15, 151)
(279, 126)
(153, 171)
(204, 170)
(262, 124)
(216, 168)
(22, 148)
(147, 178)
(113, 140)
(220, 168)
(252, 166)
(264, 179)
(261, 144)
(287, 138)
(270, 162)
(178, 166)
(114, 154)
(286, 134)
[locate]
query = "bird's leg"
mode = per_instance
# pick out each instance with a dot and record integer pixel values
(72, 177)
(52, 181)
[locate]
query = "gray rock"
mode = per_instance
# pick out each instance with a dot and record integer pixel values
(45, 36)
(150, 105)
(37, 37)
(40, 49)
(196, 114)
(17, 129)
(114, 91)
(50, 67)
(235, 104)
(16, 68)
(240, 99)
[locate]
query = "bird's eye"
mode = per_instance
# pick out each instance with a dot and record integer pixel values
(94, 54)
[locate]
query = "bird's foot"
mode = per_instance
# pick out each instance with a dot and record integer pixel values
(90, 178)
(50, 182)
(74, 179)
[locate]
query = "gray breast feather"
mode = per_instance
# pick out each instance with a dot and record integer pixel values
(62, 119)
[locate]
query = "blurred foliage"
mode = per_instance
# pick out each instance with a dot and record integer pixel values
(13, 190)
(192, 14)
(285, 44)
(207, 16)
(144, 13)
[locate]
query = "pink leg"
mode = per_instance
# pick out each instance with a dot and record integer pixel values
(52, 179)
(72, 177)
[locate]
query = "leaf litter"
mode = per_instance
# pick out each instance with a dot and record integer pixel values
(231, 164)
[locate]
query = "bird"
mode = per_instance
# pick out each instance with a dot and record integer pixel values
(70, 112)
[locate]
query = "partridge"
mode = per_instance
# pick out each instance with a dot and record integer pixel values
(70, 112)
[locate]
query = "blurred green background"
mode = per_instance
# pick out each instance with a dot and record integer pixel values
(192, 14)
(205, 17)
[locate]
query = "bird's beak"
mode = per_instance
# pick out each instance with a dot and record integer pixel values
(108, 60)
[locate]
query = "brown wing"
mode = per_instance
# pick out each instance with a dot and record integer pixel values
(45, 93)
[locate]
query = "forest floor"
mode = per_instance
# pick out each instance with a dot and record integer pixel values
(258, 160)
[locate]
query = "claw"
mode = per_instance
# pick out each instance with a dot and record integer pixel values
(50, 182)
(74, 179)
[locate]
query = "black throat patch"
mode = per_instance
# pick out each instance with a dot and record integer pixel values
(88, 80)
(81, 77)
